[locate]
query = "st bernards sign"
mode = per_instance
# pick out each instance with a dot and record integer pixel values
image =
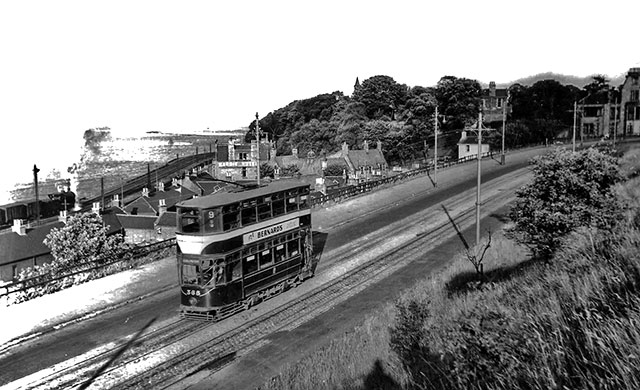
(270, 231)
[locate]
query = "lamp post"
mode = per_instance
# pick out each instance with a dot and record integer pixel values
(257, 149)
(504, 124)
(435, 150)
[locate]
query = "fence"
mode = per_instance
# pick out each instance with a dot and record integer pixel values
(350, 191)
(48, 282)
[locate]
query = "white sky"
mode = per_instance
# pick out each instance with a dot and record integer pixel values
(134, 66)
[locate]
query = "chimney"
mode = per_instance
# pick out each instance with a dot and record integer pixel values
(294, 151)
(19, 227)
(492, 88)
(162, 207)
(160, 186)
(96, 208)
(63, 216)
(115, 202)
(365, 146)
(345, 149)
(145, 192)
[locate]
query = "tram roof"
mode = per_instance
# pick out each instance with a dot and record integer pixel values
(223, 198)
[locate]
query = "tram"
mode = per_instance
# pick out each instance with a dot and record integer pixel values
(235, 249)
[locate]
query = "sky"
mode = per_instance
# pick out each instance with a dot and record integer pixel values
(137, 66)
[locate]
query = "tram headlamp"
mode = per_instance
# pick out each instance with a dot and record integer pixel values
(193, 301)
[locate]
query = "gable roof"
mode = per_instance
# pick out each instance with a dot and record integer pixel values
(16, 247)
(151, 204)
(364, 158)
(137, 221)
(168, 218)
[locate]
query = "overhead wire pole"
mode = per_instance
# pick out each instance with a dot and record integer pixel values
(257, 149)
(479, 181)
(575, 110)
(435, 151)
(504, 123)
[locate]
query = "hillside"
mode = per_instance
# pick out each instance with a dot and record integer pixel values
(579, 82)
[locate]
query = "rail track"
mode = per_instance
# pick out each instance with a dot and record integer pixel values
(172, 355)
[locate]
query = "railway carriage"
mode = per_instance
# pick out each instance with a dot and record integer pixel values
(238, 248)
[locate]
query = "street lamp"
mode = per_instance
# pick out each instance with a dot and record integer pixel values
(435, 148)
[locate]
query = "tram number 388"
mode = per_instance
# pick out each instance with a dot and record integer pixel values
(192, 292)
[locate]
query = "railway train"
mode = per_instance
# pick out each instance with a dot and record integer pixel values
(235, 249)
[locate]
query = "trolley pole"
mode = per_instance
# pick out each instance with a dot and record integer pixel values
(435, 150)
(258, 149)
(479, 181)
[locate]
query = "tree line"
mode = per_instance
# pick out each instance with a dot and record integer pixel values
(402, 117)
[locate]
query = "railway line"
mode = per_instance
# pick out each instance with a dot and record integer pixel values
(166, 356)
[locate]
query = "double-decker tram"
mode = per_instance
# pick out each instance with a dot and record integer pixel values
(238, 248)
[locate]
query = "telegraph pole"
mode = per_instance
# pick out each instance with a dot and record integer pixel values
(435, 151)
(35, 182)
(615, 129)
(504, 123)
(258, 149)
(479, 174)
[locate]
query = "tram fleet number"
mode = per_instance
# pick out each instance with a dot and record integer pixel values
(192, 292)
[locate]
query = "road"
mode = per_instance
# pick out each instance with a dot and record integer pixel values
(117, 325)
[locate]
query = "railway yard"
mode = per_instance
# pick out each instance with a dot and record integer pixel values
(366, 251)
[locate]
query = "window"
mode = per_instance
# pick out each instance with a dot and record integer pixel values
(468, 148)
(279, 253)
(250, 264)
(210, 220)
(278, 207)
(189, 221)
(249, 212)
(234, 266)
(499, 104)
(304, 201)
(231, 216)
(190, 274)
(635, 95)
(292, 248)
(264, 208)
(266, 258)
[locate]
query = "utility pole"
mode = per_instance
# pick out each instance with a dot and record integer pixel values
(257, 149)
(504, 123)
(575, 111)
(615, 128)
(35, 182)
(479, 181)
(435, 150)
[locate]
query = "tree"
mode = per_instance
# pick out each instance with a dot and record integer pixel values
(82, 240)
(382, 96)
(266, 170)
(568, 190)
(458, 100)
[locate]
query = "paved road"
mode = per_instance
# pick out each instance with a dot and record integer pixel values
(117, 325)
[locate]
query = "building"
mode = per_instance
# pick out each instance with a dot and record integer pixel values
(495, 103)
(238, 161)
(630, 103)
(360, 165)
(468, 145)
(23, 247)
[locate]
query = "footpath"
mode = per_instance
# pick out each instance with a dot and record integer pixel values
(47, 313)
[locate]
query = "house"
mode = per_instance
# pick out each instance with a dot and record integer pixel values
(138, 228)
(159, 201)
(165, 225)
(23, 247)
(630, 103)
(495, 103)
(238, 161)
(360, 165)
(468, 144)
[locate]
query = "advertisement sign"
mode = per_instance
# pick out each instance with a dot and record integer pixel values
(270, 231)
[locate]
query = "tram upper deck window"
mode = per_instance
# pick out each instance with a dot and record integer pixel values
(249, 213)
(189, 220)
(231, 216)
(292, 200)
(212, 220)
(264, 208)
(277, 204)
(304, 201)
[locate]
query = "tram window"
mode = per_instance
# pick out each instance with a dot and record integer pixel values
(189, 221)
(292, 204)
(278, 207)
(190, 274)
(265, 258)
(292, 248)
(207, 272)
(304, 201)
(248, 215)
(264, 211)
(211, 220)
(218, 272)
(279, 253)
(250, 264)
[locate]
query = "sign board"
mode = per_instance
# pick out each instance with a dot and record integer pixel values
(230, 164)
(270, 231)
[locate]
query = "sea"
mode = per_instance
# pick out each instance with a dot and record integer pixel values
(79, 164)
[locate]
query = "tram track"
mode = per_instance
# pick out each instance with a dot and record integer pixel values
(173, 356)
(218, 351)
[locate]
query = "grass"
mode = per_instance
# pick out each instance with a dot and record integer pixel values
(569, 322)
